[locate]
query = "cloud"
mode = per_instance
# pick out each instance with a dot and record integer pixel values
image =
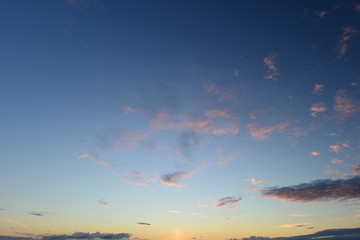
(355, 170)
(344, 39)
(174, 178)
(338, 147)
(261, 133)
(218, 113)
(272, 72)
(292, 225)
(315, 153)
(104, 202)
(143, 223)
(210, 86)
(41, 214)
(318, 190)
(202, 205)
(344, 105)
(299, 215)
(223, 160)
(318, 89)
(317, 108)
(89, 236)
(321, 13)
(186, 141)
(16, 222)
(130, 141)
(254, 181)
(337, 161)
(128, 109)
(221, 94)
(227, 202)
(173, 211)
(138, 179)
(85, 155)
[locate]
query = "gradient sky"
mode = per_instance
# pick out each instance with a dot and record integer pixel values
(179, 120)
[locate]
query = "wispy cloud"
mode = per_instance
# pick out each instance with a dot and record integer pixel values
(344, 39)
(318, 89)
(337, 161)
(16, 222)
(173, 179)
(270, 62)
(299, 215)
(131, 140)
(262, 133)
(218, 113)
(319, 190)
(173, 211)
(41, 214)
(338, 147)
(345, 106)
(143, 223)
(225, 159)
(104, 202)
(317, 108)
(227, 202)
(128, 109)
(85, 155)
(137, 179)
(254, 181)
(202, 205)
(292, 225)
(355, 170)
(321, 13)
(89, 236)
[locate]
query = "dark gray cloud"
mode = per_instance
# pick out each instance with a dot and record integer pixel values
(143, 223)
(227, 202)
(333, 234)
(41, 214)
(89, 236)
(318, 190)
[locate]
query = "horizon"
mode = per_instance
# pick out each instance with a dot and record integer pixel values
(179, 120)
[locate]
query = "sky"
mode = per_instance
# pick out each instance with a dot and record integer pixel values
(179, 120)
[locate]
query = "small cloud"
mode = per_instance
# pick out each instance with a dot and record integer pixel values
(299, 215)
(16, 222)
(174, 178)
(318, 190)
(332, 134)
(321, 13)
(270, 62)
(104, 163)
(41, 214)
(236, 72)
(202, 205)
(128, 109)
(254, 181)
(143, 223)
(261, 133)
(344, 39)
(338, 147)
(173, 211)
(210, 86)
(134, 183)
(318, 89)
(345, 106)
(223, 160)
(292, 225)
(85, 155)
(227, 202)
(315, 153)
(337, 161)
(218, 113)
(230, 218)
(104, 202)
(317, 108)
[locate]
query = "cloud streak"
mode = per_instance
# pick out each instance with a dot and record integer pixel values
(261, 133)
(319, 190)
(173, 179)
(89, 236)
(227, 202)
(344, 39)
(345, 106)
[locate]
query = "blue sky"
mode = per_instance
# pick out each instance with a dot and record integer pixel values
(179, 119)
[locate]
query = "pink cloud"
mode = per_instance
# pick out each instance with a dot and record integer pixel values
(345, 106)
(173, 211)
(227, 202)
(104, 163)
(174, 178)
(292, 225)
(337, 161)
(262, 133)
(338, 147)
(202, 205)
(315, 153)
(254, 181)
(317, 108)
(272, 72)
(223, 160)
(85, 155)
(218, 113)
(134, 183)
(321, 13)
